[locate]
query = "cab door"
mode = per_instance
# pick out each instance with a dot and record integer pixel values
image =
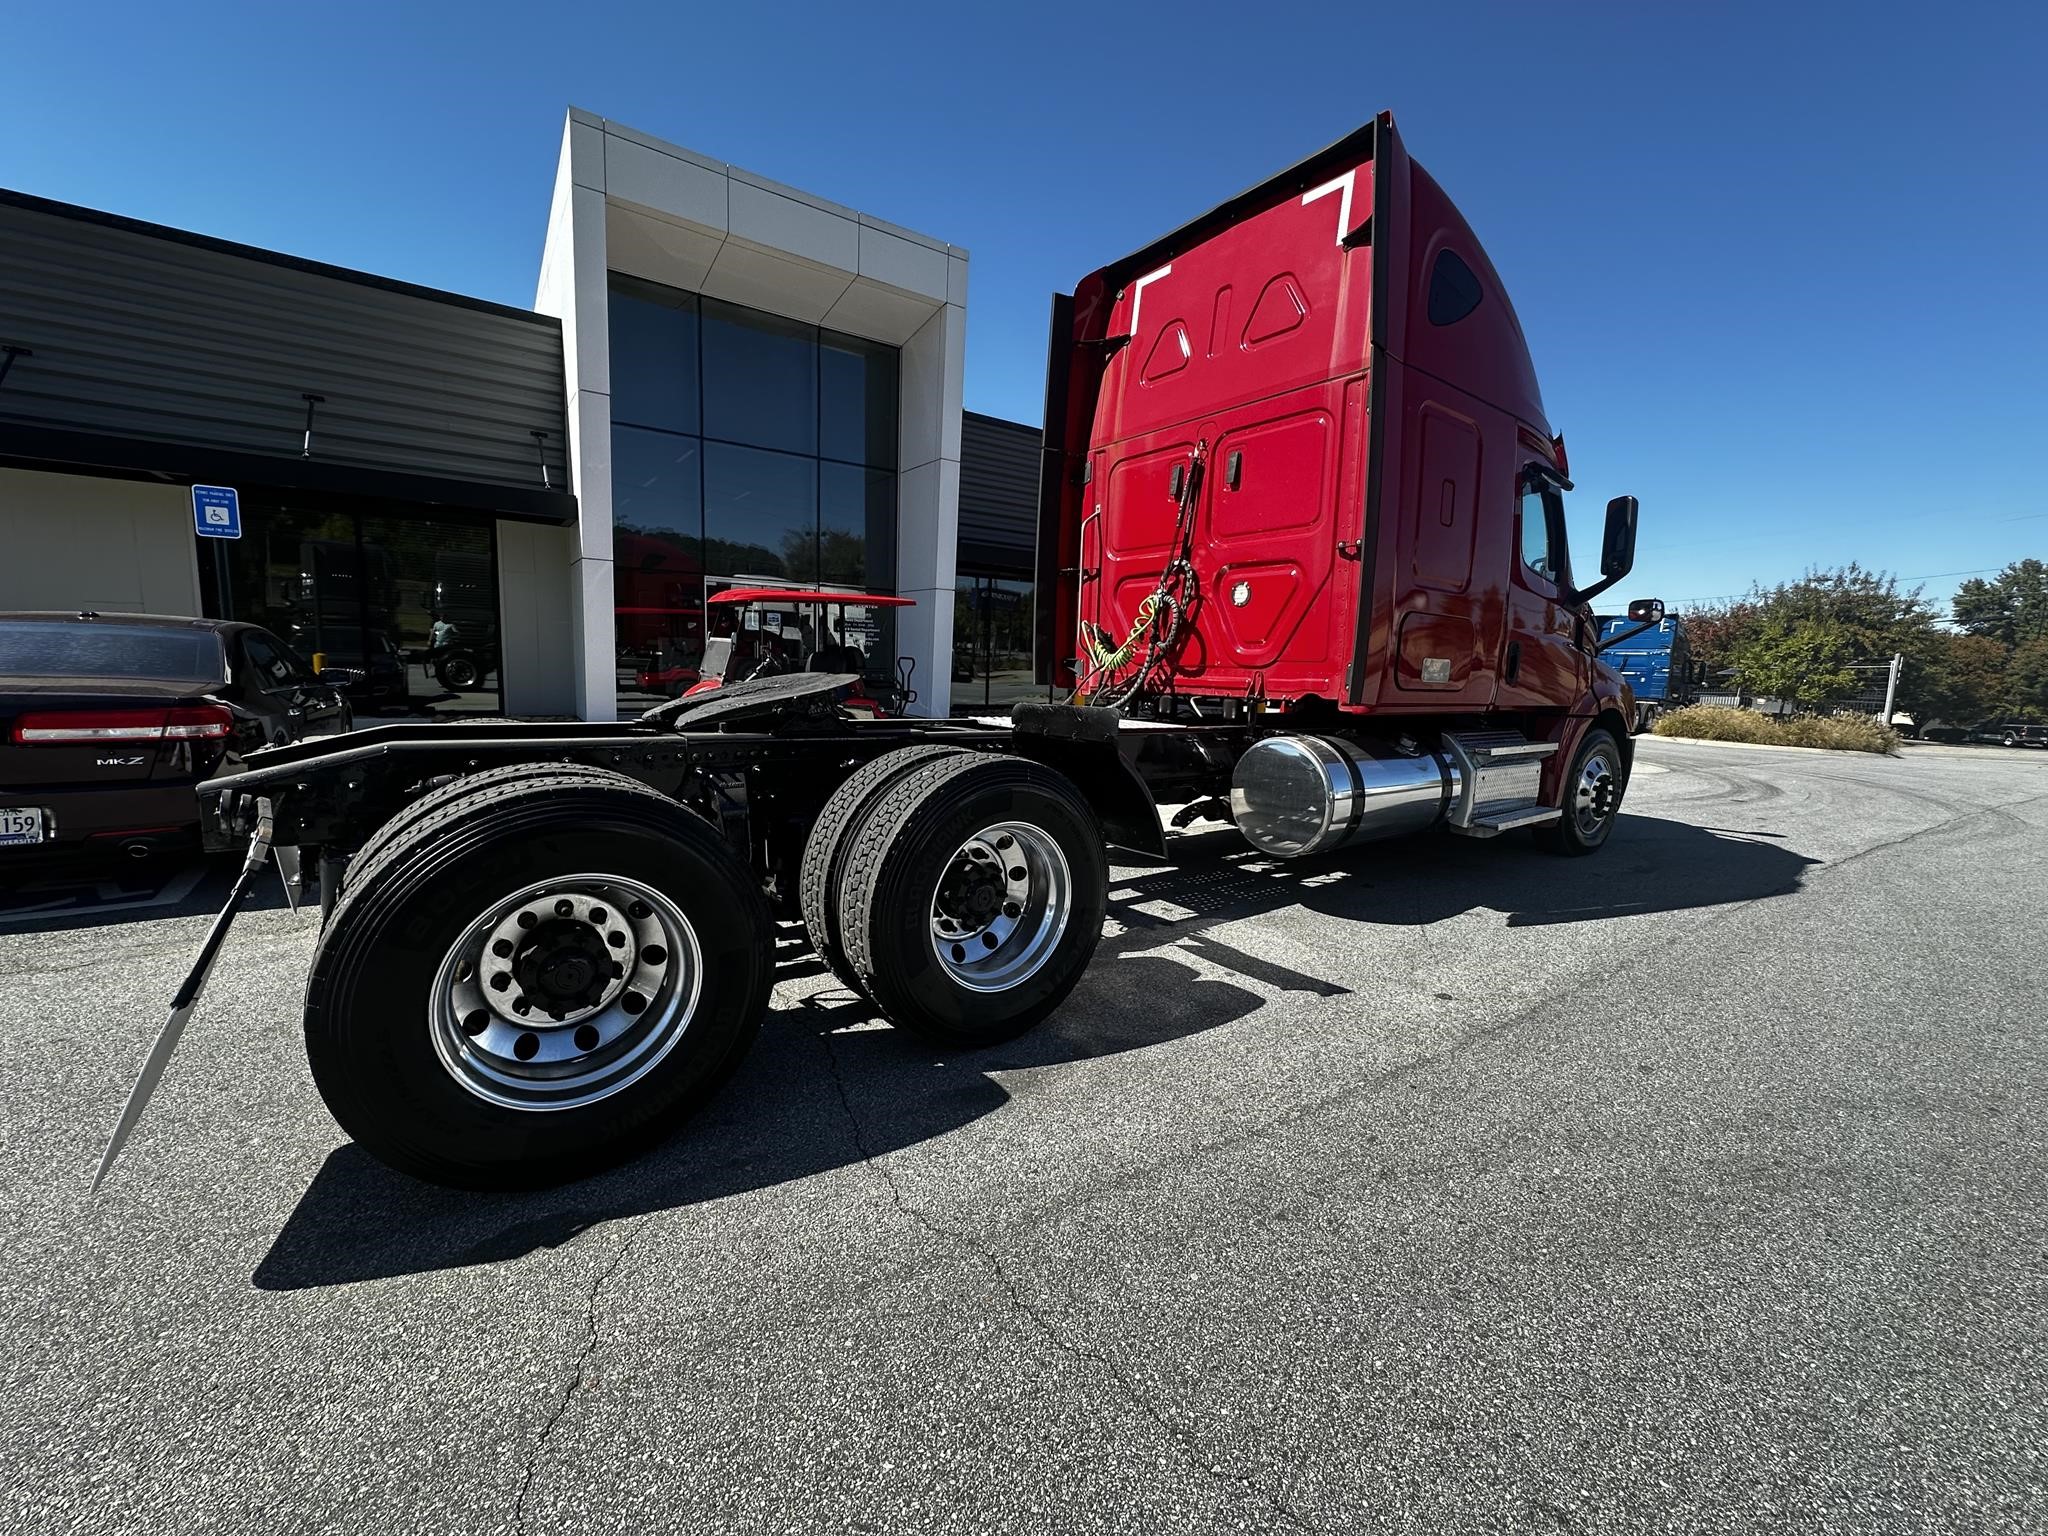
(1543, 663)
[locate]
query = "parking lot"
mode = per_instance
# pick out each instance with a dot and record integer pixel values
(1446, 1187)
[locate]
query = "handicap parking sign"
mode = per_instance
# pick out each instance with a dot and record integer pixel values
(216, 512)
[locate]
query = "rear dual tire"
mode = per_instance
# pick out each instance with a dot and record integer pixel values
(963, 892)
(639, 982)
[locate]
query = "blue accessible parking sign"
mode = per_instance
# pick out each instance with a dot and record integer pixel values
(216, 512)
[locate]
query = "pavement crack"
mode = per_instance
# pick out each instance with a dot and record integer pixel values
(1236, 1485)
(574, 1383)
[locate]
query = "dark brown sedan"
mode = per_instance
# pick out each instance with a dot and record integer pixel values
(108, 722)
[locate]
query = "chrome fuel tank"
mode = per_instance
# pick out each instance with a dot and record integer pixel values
(1296, 795)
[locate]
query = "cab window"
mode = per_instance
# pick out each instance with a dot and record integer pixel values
(1543, 538)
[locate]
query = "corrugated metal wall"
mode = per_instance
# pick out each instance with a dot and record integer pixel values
(143, 333)
(998, 494)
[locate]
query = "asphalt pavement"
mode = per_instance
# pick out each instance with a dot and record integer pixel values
(1449, 1186)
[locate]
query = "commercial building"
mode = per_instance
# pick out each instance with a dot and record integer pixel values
(723, 381)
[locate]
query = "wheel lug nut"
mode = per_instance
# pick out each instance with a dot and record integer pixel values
(654, 954)
(526, 1047)
(520, 1005)
(501, 981)
(475, 1022)
(564, 907)
(633, 1002)
(502, 949)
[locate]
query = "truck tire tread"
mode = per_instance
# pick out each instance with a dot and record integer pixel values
(824, 848)
(413, 812)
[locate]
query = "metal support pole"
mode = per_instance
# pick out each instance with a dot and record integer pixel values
(306, 442)
(223, 592)
(1891, 684)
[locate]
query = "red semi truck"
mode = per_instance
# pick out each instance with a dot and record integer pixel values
(1302, 534)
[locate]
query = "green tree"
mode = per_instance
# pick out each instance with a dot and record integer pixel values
(1715, 630)
(1802, 660)
(1963, 681)
(2011, 608)
(2026, 688)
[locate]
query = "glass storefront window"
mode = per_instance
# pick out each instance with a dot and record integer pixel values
(745, 449)
(760, 514)
(658, 487)
(856, 400)
(856, 525)
(760, 379)
(657, 562)
(992, 638)
(654, 356)
(407, 598)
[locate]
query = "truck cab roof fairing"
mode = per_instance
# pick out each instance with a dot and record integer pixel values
(1483, 351)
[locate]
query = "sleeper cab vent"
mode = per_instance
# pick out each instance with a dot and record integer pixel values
(1280, 308)
(1454, 290)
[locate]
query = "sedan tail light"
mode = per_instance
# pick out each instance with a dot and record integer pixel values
(184, 722)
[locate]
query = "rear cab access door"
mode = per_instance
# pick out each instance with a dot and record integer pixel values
(1239, 361)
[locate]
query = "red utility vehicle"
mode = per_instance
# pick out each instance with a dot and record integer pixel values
(1303, 541)
(769, 631)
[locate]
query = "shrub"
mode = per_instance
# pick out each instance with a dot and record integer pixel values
(1834, 733)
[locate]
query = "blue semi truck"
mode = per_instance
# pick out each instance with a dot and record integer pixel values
(1656, 663)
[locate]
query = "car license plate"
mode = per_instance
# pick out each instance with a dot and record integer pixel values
(20, 824)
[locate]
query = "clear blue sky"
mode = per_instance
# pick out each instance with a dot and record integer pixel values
(1782, 265)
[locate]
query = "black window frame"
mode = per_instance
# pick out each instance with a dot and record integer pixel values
(1557, 545)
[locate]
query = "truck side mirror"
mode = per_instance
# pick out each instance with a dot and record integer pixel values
(1618, 546)
(1646, 610)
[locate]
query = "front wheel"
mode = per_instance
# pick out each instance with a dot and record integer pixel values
(1593, 788)
(534, 981)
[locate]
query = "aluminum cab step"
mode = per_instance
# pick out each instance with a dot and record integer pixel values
(1493, 823)
(1500, 777)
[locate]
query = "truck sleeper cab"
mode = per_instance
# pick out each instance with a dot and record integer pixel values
(1302, 524)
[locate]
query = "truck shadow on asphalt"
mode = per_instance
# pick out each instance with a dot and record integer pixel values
(828, 1087)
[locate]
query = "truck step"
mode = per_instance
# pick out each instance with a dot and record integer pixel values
(1492, 821)
(1500, 774)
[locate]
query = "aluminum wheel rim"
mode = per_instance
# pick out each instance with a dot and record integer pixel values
(609, 972)
(1001, 906)
(1594, 795)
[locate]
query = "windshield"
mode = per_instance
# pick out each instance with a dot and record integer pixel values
(96, 650)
